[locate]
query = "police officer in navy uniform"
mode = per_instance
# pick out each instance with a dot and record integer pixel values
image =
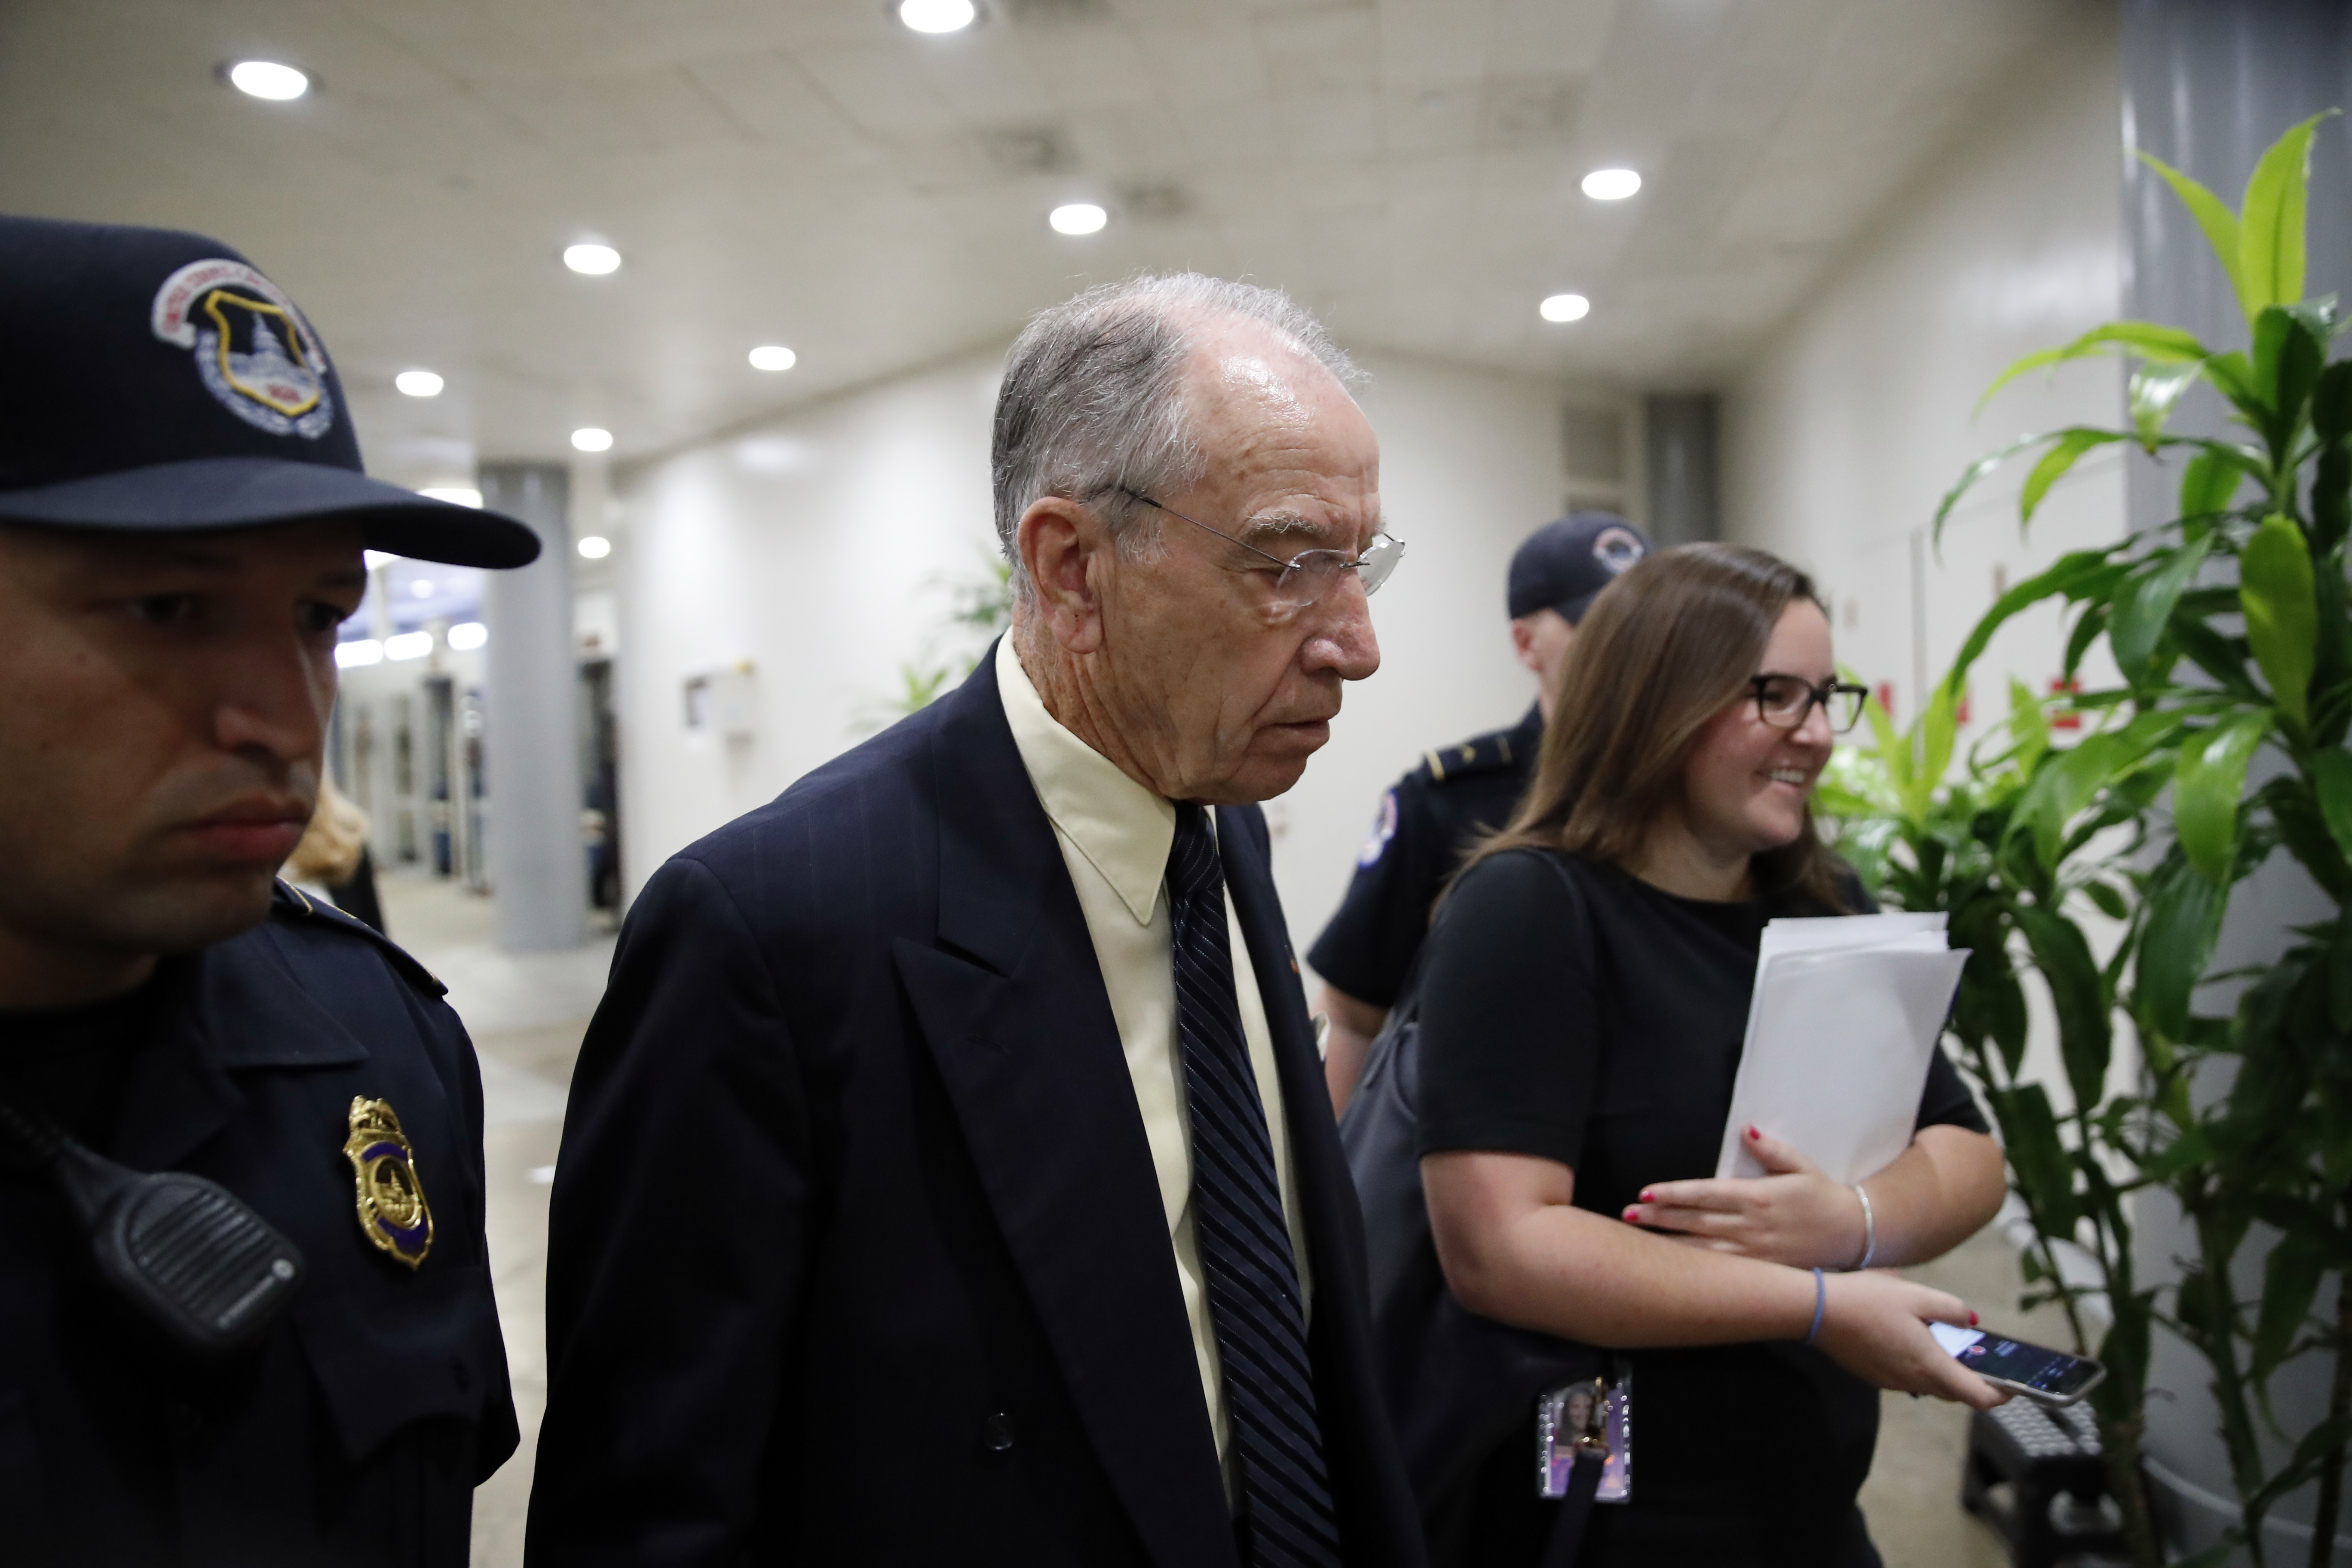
(1459, 793)
(181, 515)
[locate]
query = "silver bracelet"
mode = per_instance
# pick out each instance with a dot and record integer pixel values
(1869, 1230)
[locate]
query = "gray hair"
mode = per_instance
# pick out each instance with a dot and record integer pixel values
(1093, 397)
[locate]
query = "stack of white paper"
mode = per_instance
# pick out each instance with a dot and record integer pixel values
(1840, 1028)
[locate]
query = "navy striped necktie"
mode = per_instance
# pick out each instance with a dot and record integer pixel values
(1285, 1517)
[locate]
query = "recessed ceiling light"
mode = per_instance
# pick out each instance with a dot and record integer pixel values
(358, 654)
(937, 16)
(418, 382)
(468, 635)
(1079, 217)
(593, 548)
(408, 645)
(456, 495)
(589, 438)
(268, 79)
(1611, 184)
(594, 259)
(773, 356)
(1565, 308)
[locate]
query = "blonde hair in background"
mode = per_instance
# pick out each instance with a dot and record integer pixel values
(330, 852)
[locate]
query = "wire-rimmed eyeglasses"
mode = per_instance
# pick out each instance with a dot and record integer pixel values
(1786, 701)
(1309, 576)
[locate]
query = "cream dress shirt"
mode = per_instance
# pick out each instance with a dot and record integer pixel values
(1115, 836)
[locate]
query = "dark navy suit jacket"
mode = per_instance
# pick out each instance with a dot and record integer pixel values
(857, 1252)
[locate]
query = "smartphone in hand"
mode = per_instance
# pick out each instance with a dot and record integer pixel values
(2037, 1371)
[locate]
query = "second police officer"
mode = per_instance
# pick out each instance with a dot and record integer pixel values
(246, 1314)
(1427, 821)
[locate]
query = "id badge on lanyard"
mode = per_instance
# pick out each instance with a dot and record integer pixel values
(1589, 1421)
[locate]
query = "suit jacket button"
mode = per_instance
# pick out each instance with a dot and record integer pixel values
(996, 1433)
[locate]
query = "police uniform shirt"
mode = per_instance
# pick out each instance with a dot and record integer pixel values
(1423, 828)
(354, 1430)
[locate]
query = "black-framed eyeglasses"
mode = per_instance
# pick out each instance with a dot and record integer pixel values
(1786, 701)
(1309, 576)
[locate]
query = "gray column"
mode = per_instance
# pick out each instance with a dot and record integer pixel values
(1686, 502)
(2207, 86)
(531, 747)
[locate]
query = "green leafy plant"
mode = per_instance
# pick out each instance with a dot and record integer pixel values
(2015, 850)
(2230, 629)
(980, 608)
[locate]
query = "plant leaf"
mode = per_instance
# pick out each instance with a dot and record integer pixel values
(2154, 390)
(2151, 341)
(2184, 919)
(2146, 605)
(2331, 781)
(2287, 359)
(2275, 584)
(2219, 224)
(2086, 1033)
(2070, 575)
(2290, 1281)
(2270, 222)
(2211, 777)
(2208, 484)
(2028, 723)
(1977, 470)
(2072, 445)
(2037, 1157)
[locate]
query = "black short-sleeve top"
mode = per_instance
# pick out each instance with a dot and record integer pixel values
(1571, 1011)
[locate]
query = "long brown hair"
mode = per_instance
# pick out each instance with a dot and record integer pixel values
(1663, 650)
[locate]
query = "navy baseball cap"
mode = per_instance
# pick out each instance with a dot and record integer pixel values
(1565, 564)
(157, 381)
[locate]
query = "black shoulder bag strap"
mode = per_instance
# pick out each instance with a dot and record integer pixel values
(190, 1254)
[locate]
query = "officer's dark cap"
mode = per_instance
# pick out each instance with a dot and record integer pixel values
(157, 381)
(1565, 564)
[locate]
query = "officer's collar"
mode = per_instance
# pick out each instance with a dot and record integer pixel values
(256, 1013)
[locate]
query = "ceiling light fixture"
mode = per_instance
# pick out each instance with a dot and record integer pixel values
(1611, 184)
(589, 438)
(466, 635)
(595, 260)
(594, 548)
(1565, 308)
(358, 654)
(456, 495)
(422, 587)
(1077, 217)
(408, 645)
(773, 356)
(268, 79)
(938, 15)
(418, 382)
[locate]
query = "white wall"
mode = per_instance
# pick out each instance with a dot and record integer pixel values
(816, 547)
(1843, 435)
(1848, 428)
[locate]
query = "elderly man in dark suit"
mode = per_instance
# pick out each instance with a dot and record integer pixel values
(948, 1176)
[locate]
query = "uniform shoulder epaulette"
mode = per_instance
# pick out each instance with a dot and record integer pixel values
(292, 903)
(1480, 754)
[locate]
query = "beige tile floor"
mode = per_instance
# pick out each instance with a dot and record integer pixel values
(527, 1015)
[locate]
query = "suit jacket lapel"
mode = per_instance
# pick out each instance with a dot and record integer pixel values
(1012, 1006)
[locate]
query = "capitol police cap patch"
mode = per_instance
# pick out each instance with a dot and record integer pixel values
(159, 382)
(1564, 564)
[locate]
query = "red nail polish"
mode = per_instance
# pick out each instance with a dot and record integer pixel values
(1630, 1216)
(1972, 1320)
(1647, 1197)
(1752, 1133)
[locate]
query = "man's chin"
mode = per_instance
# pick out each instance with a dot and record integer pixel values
(182, 915)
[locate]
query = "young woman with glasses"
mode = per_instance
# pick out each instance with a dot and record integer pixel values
(1582, 1008)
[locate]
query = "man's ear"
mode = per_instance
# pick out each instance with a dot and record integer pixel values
(1523, 642)
(1063, 547)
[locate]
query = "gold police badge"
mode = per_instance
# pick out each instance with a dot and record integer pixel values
(393, 1211)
